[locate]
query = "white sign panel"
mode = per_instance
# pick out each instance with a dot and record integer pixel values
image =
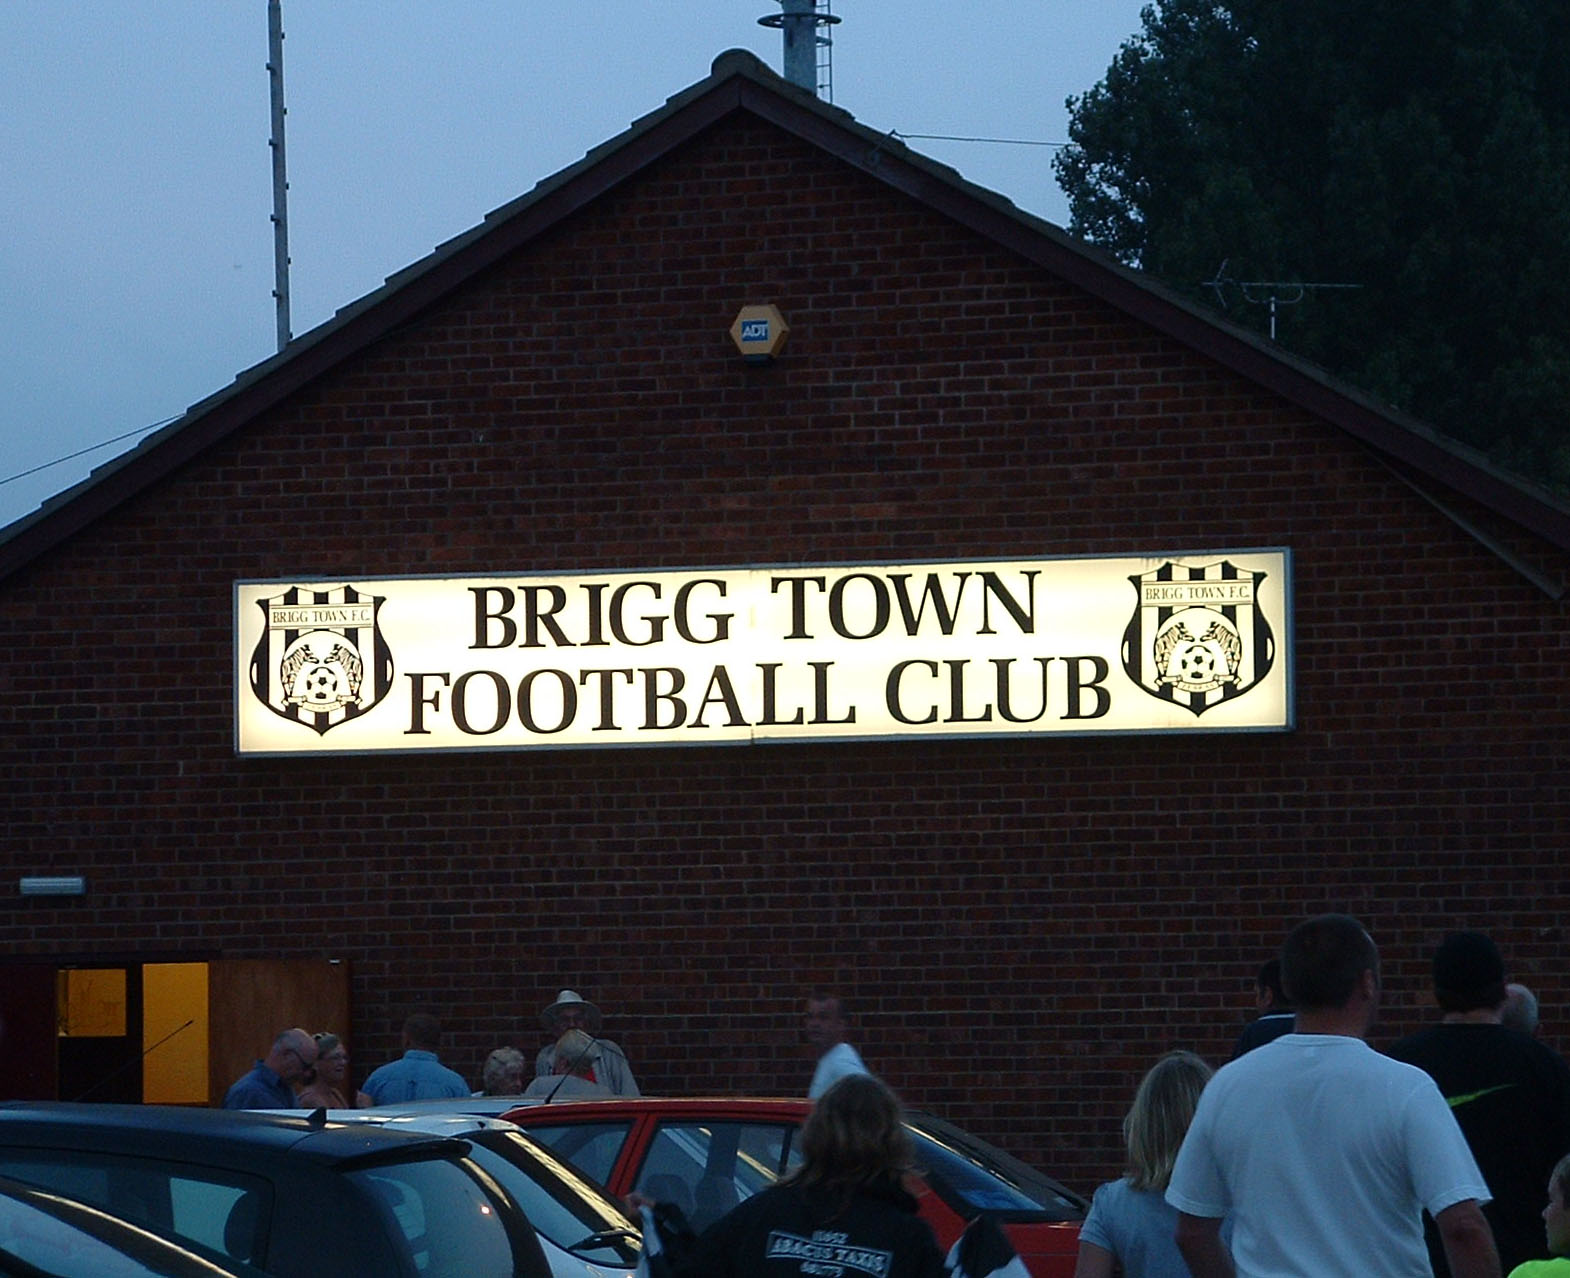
(1186, 642)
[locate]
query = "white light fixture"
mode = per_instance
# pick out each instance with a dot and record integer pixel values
(56, 885)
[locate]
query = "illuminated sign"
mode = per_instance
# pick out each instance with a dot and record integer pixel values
(1185, 642)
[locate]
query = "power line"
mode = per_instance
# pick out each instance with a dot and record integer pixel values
(92, 448)
(894, 133)
(950, 137)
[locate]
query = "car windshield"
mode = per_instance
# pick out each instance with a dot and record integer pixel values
(973, 1176)
(570, 1211)
(448, 1225)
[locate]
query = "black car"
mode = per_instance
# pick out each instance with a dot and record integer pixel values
(289, 1195)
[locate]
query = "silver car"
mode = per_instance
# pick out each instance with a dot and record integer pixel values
(584, 1231)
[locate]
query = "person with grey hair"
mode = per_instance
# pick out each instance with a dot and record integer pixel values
(578, 1055)
(1520, 1010)
(502, 1074)
(572, 1011)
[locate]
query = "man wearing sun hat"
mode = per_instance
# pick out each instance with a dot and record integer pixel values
(572, 1011)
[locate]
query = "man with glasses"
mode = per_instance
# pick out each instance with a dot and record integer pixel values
(270, 1082)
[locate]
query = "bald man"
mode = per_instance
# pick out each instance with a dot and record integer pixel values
(270, 1082)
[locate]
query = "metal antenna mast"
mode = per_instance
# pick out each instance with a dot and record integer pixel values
(280, 179)
(807, 54)
(1271, 293)
(825, 42)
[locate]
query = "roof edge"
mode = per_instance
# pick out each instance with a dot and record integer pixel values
(738, 80)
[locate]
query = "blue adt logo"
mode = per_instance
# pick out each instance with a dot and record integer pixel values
(755, 330)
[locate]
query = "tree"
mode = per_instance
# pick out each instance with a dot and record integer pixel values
(1418, 151)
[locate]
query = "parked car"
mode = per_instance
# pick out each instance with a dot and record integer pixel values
(708, 1154)
(583, 1230)
(47, 1234)
(484, 1106)
(289, 1194)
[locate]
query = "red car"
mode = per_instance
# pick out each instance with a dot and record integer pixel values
(707, 1154)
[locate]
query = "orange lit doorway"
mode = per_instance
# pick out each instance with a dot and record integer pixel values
(158, 1033)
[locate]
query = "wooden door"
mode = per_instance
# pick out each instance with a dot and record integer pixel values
(251, 1000)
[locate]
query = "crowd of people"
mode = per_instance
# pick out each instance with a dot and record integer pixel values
(303, 1070)
(1308, 1153)
(306, 1071)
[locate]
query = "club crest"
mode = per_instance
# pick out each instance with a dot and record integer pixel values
(1197, 636)
(321, 660)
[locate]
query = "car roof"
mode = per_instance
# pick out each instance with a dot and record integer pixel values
(491, 1106)
(221, 1137)
(427, 1122)
(609, 1107)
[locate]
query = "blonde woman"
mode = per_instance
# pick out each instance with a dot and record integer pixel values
(1131, 1227)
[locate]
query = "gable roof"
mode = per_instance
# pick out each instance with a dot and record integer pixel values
(738, 81)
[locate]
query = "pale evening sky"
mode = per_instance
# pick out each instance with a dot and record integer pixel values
(137, 266)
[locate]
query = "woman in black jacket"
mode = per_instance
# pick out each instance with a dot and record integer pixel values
(844, 1211)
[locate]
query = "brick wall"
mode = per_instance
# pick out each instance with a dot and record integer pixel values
(1020, 926)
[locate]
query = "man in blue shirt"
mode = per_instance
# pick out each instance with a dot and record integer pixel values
(270, 1082)
(419, 1074)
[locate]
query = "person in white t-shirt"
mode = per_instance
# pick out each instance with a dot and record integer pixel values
(837, 1059)
(1322, 1152)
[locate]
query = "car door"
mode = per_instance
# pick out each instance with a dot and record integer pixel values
(605, 1150)
(706, 1165)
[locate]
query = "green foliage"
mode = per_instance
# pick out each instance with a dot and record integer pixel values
(1419, 151)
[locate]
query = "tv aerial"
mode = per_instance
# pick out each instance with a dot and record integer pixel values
(1272, 293)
